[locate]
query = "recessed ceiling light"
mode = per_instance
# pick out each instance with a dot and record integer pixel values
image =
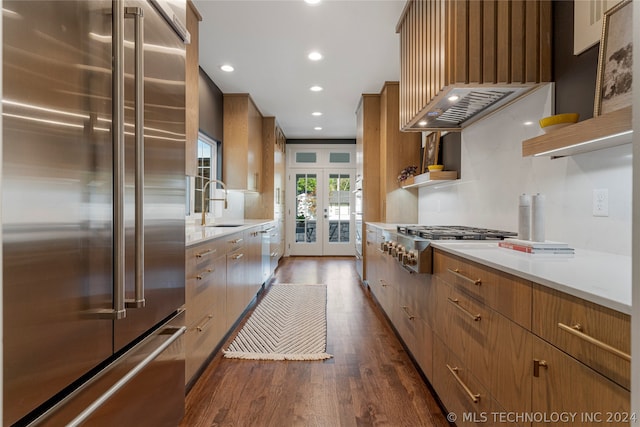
(227, 68)
(527, 123)
(453, 98)
(316, 113)
(315, 88)
(312, 1)
(315, 56)
(317, 128)
(422, 123)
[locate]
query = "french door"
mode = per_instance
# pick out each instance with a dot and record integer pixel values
(320, 220)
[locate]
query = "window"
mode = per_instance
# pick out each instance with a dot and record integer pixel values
(207, 169)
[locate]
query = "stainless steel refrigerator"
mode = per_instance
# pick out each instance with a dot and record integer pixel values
(93, 191)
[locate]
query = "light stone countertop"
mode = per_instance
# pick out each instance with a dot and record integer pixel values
(600, 277)
(195, 233)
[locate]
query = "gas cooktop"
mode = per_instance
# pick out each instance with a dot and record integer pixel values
(453, 232)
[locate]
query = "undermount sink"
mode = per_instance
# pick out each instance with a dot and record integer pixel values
(224, 225)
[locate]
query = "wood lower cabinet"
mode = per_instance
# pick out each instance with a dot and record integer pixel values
(205, 303)
(236, 278)
(597, 336)
(223, 276)
(494, 348)
(562, 384)
(461, 393)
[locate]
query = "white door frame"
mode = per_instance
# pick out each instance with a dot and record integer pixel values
(321, 160)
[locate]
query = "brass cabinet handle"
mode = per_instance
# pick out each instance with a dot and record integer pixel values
(406, 310)
(472, 396)
(383, 283)
(205, 273)
(204, 324)
(234, 241)
(237, 256)
(205, 253)
(456, 304)
(537, 363)
(577, 331)
(456, 272)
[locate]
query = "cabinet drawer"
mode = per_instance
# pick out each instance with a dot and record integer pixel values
(507, 294)
(457, 388)
(201, 339)
(198, 257)
(205, 289)
(595, 335)
(234, 242)
(466, 327)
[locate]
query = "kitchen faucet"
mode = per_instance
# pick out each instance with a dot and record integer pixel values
(206, 199)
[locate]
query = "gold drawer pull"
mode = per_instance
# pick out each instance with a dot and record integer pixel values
(406, 311)
(205, 253)
(536, 366)
(237, 256)
(204, 324)
(205, 273)
(457, 273)
(456, 304)
(454, 372)
(383, 283)
(234, 241)
(577, 331)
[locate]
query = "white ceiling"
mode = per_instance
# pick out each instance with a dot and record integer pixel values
(268, 42)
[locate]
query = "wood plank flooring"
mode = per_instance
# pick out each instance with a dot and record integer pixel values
(370, 381)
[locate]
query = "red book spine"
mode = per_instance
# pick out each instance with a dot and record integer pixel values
(516, 247)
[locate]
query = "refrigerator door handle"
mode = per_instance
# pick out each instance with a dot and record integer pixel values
(119, 275)
(136, 13)
(176, 333)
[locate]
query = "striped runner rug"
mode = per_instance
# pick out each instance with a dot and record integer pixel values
(289, 323)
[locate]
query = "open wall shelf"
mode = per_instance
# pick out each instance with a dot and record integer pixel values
(608, 130)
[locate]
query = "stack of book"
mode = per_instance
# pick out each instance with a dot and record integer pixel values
(530, 247)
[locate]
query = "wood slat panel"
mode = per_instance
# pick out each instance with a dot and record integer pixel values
(446, 43)
(489, 42)
(461, 46)
(532, 40)
(503, 42)
(545, 61)
(517, 41)
(475, 41)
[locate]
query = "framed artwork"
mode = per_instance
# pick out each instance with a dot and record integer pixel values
(587, 22)
(431, 148)
(615, 61)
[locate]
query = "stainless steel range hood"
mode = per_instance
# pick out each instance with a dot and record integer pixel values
(459, 107)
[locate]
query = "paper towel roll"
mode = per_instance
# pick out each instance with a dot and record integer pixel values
(537, 218)
(524, 217)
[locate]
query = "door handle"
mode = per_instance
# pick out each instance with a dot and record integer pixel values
(119, 274)
(138, 19)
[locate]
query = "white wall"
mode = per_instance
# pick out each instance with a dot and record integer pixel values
(494, 174)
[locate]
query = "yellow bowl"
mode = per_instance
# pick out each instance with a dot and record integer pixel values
(435, 168)
(559, 120)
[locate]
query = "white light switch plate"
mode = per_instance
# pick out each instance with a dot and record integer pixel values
(601, 202)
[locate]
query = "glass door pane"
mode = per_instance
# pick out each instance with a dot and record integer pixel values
(306, 208)
(339, 207)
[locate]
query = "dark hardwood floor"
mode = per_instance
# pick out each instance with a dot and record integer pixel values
(370, 381)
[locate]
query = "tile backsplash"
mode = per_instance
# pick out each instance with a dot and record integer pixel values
(494, 173)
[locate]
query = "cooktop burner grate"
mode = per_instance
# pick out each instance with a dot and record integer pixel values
(453, 232)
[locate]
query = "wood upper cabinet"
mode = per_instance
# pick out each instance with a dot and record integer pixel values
(382, 152)
(489, 44)
(242, 145)
(191, 91)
